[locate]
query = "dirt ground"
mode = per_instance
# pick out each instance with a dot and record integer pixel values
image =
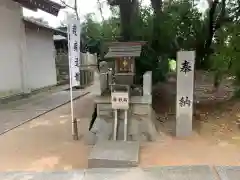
(216, 138)
(46, 142)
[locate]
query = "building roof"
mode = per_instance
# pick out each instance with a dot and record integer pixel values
(118, 2)
(59, 38)
(44, 5)
(32, 22)
(124, 49)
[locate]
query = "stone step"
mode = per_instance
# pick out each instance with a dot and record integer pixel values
(114, 154)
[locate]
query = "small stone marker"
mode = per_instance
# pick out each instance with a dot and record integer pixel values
(200, 172)
(184, 100)
(147, 83)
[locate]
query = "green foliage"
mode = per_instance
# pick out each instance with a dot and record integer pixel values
(150, 61)
(178, 25)
(220, 59)
(234, 51)
(95, 34)
(146, 62)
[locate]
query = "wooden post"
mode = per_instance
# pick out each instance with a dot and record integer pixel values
(75, 129)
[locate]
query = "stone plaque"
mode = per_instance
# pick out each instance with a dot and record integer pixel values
(125, 65)
(120, 100)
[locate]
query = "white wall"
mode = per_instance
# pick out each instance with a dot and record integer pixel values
(10, 53)
(41, 58)
(27, 57)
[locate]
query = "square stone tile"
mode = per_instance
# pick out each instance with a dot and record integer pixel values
(114, 154)
(119, 174)
(67, 175)
(106, 174)
(71, 175)
(16, 176)
(179, 173)
(228, 172)
(153, 173)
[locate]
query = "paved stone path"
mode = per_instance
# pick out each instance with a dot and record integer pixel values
(229, 172)
(34, 107)
(152, 173)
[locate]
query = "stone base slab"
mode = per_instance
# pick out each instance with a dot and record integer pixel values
(114, 154)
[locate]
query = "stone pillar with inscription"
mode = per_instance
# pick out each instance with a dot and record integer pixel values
(185, 86)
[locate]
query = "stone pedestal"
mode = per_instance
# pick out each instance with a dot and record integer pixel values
(141, 124)
(114, 154)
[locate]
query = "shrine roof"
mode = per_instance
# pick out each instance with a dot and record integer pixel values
(124, 49)
(44, 5)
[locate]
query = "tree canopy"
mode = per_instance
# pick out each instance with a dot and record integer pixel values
(169, 26)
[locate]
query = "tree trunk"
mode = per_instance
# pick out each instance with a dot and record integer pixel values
(210, 27)
(156, 5)
(157, 8)
(128, 14)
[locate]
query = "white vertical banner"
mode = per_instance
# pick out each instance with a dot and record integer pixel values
(74, 51)
(74, 63)
(185, 90)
